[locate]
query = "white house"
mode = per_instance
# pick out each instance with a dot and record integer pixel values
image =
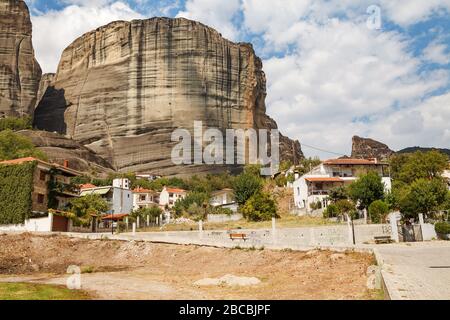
(315, 186)
(224, 198)
(144, 198)
(446, 176)
(169, 196)
(119, 199)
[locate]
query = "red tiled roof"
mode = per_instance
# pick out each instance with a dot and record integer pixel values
(117, 216)
(142, 190)
(324, 179)
(351, 162)
(87, 186)
(175, 190)
(19, 161)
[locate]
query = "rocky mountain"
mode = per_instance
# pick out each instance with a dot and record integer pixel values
(20, 73)
(364, 148)
(415, 149)
(121, 91)
(58, 149)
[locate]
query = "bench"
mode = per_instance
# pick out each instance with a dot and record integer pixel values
(383, 239)
(238, 236)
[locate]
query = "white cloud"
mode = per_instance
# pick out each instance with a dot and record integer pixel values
(437, 53)
(342, 80)
(218, 14)
(55, 30)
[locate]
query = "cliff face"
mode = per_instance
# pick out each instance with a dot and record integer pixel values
(58, 148)
(19, 71)
(368, 148)
(122, 90)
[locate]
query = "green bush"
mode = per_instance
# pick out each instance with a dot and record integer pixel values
(14, 146)
(246, 185)
(260, 207)
(15, 124)
(330, 212)
(442, 227)
(378, 210)
(16, 187)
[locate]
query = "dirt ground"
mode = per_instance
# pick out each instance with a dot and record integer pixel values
(140, 270)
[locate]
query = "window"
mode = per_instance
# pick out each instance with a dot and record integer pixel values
(142, 198)
(40, 198)
(42, 175)
(298, 191)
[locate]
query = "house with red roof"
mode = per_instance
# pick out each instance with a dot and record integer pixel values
(314, 187)
(169, 196)
(144, 198)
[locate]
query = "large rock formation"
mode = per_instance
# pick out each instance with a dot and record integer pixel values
(58, 149)
(122, 90)
(19, 71)
(364, 148)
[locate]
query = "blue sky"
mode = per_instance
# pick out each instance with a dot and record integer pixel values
(330, 73)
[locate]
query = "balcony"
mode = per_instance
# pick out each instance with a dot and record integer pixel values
(318, 193)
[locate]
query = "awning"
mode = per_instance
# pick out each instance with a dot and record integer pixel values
(101, 191)
(115, 217)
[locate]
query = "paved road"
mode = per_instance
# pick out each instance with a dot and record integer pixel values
(418, 271)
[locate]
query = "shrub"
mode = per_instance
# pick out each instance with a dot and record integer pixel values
(378, 211)
(14, 146)
(330, 212)
(442, 227)
(16, 187)
(15, 124)
(246, 185)
(260, 207)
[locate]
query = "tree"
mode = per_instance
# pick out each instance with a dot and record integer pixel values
(407, 168)
(367, 189)
(378, 210)
(346, 207)
(182, 206)
(88, 206)
(152, 212)
(260, 207)
(307, 164)
(338, 193)
(424, 196)
(14, 146)
(15, 124)
(246, 185)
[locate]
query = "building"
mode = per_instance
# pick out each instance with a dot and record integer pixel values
(315, 186)
(119, 199)
(224, 198)
(169, 196)
(144, 198)
(446, 176)
(148, 176)
(52, 188)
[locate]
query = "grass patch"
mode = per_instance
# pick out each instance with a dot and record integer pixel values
(286, 221)
(31, 291)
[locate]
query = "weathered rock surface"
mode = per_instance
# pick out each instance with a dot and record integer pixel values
(59, 148)
(46, 82)
(20, 73)
(122, 90)
(363, 148)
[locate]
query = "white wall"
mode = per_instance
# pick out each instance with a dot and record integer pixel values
(31, 225)
(122, 200)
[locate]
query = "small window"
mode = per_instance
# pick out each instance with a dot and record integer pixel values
(142, 198)
(40, 198)
(42, 175)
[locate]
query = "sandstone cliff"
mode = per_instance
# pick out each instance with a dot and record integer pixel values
(363, 148)
(19, 71)
(58, 148)
(122, 89)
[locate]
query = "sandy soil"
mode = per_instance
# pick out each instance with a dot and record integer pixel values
(139, 270)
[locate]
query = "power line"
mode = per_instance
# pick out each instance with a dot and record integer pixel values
(323, 150)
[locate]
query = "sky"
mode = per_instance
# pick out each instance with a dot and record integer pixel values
(335, 68)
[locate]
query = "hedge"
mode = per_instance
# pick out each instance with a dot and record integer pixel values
(16, 187)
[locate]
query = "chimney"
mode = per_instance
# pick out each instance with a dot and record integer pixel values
(66, 163)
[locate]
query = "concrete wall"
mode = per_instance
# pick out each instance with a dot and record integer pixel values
(218, 218)
(31, 225)
(293, 238)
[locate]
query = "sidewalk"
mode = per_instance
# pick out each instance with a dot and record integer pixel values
(416, 271)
